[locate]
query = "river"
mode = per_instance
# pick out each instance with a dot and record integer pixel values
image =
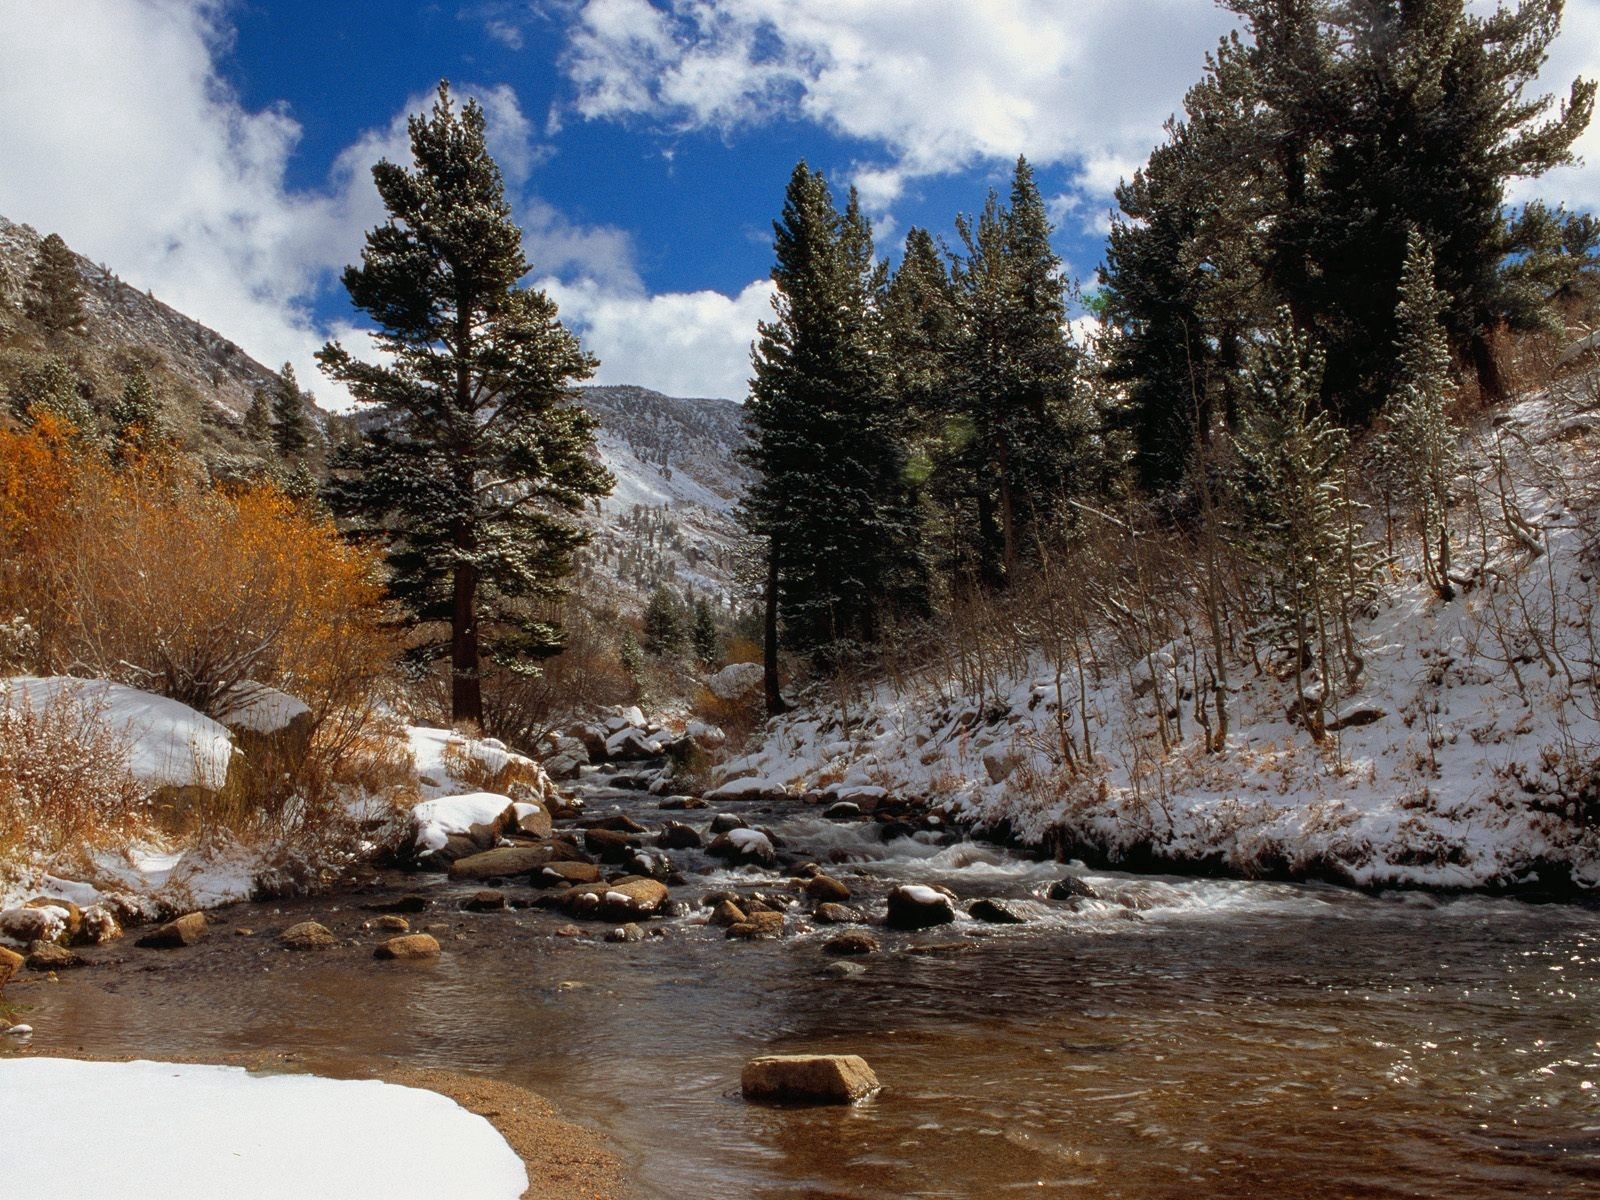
(1174, 1038)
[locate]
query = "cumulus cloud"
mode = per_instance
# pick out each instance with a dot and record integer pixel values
(941, 84)
(681, 343)
(120, 135)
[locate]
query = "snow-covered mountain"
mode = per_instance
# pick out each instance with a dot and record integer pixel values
(679, 478)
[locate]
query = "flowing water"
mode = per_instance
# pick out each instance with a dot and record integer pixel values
(1176, 1038)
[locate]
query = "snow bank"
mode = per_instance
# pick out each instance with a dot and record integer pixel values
(169, 744)
(181, 1130)
(439, 753)
(1478, 718)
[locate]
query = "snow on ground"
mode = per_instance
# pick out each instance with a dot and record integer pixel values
(262, 709)
(1471, 775)
(441, 756)
(176, 1131)
(169, 744)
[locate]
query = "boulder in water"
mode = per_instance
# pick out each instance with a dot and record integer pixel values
(504, 863)
(808, 1078)
(185, 931)
(677, 836)
(758, 925)
(913, 906)
(408, 947)
(854, 942)
(307, 935)
(827, 889)
(995, 913)
(744, 847)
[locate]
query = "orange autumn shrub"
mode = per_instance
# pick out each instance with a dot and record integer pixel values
(151, 576)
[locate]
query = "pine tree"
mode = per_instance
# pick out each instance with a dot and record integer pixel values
(482, 452)
(665, 624)
(1418, 449)
(55, 290)
(136, 423)
(291, 427)
(831, 503)
(704, 635)
(258, 419)
(1013, 371)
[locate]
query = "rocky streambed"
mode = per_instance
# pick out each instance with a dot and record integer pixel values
(1033, 1026)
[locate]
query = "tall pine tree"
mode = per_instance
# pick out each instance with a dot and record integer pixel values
(832, 504)
(55, 290)
(291, 427)
(479, 454)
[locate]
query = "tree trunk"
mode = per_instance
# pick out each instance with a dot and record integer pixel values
(1493, 387)
(769, 654)
(466, 692)
(1008, 517)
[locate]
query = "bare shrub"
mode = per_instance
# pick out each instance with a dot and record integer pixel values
(64, 781)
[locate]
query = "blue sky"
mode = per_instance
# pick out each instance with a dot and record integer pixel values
(218, 151)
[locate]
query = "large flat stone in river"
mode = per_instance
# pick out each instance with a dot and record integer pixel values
(808, 1078)
(501, 863)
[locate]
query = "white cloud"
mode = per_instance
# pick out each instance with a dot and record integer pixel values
(119, 134)
(942, 84)
(681, 343)
(1575, 53)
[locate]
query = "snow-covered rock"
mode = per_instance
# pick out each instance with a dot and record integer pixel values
(170, 745)
(433, 821)
(736, 681)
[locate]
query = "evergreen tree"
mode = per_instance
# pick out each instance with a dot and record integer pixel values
(704, 635)
(258, 419)
(1013, 371)
(1418, 449)
(55, 290)
(665, 624)
(481, 454)
(291, 427)
(831, 502)
(136, 423)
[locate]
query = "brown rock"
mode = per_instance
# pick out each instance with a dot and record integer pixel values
(611, 845)
(808, 1078)
(185, 931)
(569, 931)
(393, 923)
(677, 836)
(537, 823)
(562, 874)
(10, 963)
(854, 942)
(405, 904)
(916, 907)
(827, 889)
(307, 935)
(837, 914)
(485, 901)
(728, 913)
(47, 956)
(758, 925)
(409, 947)
(504, 863)
(621, 900)
(625, 933)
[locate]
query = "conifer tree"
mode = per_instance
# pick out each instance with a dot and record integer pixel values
(831, 503)
(291, 427)
(258, 419)
(1418, 449)
(482, 455)
(665, 624)
(55, 290)
(1013, 371)
(704, 635)
(136, 423)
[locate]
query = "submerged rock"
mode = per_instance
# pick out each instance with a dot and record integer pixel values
(837, 914)
(855, 942)
(185, 931)
(625, 933)
(827, 889)
(47, 956)
(308, 935)
(485, 901)
(392, 923)
(757, 925)
(808, 1078)
(409, 947)
(995, 913)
